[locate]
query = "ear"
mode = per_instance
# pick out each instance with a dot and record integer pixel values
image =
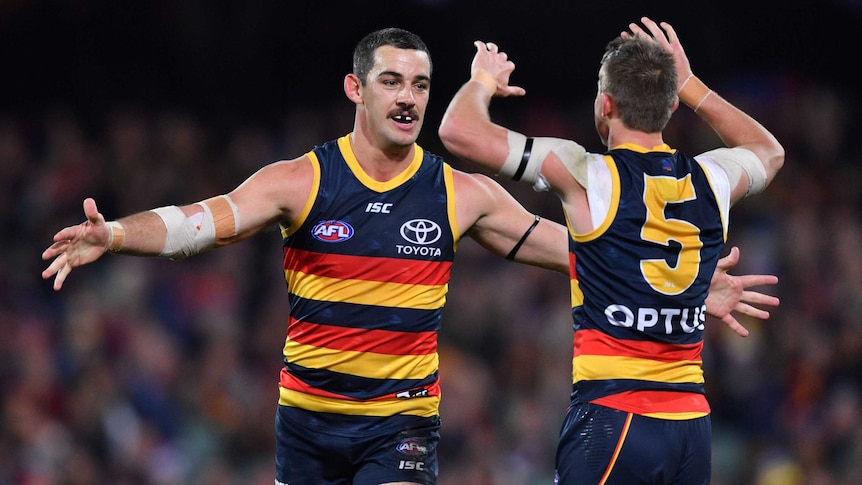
(675, 105)
(609, 106)
(353, 88)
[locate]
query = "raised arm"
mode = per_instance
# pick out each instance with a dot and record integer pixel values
(735, 128)
(467, 130)
(276, 192)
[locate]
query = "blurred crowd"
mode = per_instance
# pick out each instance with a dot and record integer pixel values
(149, 371)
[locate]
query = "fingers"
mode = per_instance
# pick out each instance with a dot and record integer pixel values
(61, 277)
(730, 260)
(751, 311)
(751, 280)
(662, 33)
(489, 58)
(636, 30)
(735, 325)
(671, 34)
(757, 298)
(652, 27)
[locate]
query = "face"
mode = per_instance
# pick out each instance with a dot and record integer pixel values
(392, 103)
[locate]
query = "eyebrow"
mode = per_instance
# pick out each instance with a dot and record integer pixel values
(401, 76)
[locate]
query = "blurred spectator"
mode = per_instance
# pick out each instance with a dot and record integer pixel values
(150, 372)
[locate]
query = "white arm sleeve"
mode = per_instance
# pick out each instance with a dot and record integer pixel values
(735, 161)
(526, 156)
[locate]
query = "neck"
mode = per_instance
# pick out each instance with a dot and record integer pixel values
(381, 163)
(620, 135)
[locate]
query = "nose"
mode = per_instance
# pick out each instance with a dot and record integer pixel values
(405, 96)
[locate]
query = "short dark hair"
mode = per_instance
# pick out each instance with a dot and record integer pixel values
(363, 54)
(641, 77)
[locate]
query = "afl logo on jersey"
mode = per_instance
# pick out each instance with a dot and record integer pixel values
(332, 231)
(421, 231)
(412, 447)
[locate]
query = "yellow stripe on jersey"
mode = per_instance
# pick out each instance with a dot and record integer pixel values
(378, 293)
(604, 367)
(676, 416)
(424, 406)
(613, 206)
(450, 204)
(376, 185)
(577, 294)
(362, 364)
(312, 196)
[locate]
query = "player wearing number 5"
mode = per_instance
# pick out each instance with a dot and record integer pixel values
(647, 225)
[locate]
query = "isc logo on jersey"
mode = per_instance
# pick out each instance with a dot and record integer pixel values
(332, 231)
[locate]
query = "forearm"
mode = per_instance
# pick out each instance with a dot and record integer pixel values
(734, 127)
(467, 131)
(143, 234)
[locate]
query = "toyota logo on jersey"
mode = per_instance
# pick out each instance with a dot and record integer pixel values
(332, 231)
(421, 231)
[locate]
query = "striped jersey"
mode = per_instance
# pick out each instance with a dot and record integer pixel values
(639, 285)
(367, 267)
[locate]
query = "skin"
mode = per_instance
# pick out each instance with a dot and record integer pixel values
(468, 132)
(390, 111)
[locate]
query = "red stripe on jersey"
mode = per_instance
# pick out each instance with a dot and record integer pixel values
(393, 270)
(288, 381)
(651, 402)
(362, 340)
(573, 272)
(596, 342)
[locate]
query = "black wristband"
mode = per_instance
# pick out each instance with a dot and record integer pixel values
(514, 251)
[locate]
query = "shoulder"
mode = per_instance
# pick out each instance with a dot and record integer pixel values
(287, 170)
(475, 185)
(285, 184)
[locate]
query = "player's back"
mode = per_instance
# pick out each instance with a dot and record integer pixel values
(642, 279)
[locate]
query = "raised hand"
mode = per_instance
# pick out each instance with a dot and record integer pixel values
(729, 293)
(668, 39)
(489, 59)
(77, 245)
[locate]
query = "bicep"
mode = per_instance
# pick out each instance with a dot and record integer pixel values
(275, 193)
(499, 222)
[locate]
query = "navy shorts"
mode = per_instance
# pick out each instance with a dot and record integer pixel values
(600, 445)
(312, 451)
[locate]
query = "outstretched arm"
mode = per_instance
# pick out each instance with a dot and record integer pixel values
(735, 128)
(276, 192)
(729, 293)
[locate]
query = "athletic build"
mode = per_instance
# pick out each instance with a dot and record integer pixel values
(647, 225)
(370, 223)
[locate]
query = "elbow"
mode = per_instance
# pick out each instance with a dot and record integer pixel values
(451, 135)
(775, 161)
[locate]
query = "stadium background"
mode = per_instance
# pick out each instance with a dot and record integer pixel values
(155, 372)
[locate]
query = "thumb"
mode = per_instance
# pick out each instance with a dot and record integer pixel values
(91, 212)
(730, 260)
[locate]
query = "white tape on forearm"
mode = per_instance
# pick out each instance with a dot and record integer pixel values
(185, 236)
